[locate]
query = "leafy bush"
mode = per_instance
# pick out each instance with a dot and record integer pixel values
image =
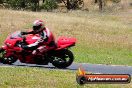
(49, 5)
(1, 1)
(59, 1)
(116, 1)
(31, 4)
(16, 4)
(34, 7)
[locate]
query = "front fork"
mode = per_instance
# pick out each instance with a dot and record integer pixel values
(1, 49)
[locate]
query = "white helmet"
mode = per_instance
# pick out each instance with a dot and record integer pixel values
(38, 25)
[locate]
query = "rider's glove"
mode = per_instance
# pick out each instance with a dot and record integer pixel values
(24, 46)
(40, 40)
(23, 33)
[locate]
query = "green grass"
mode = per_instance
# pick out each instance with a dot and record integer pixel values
(102, 38)
(25, 77)
(109, 56)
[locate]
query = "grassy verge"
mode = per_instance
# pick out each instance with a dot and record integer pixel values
(19, 77)
(120, 56)
(103, 38)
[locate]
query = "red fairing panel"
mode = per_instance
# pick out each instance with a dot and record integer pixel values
(30, 39)
(64, 42)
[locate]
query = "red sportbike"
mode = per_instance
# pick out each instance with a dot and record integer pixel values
(60, 57)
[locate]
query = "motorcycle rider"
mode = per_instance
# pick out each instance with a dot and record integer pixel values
(46, 38)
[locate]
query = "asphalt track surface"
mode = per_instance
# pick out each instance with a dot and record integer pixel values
(93, 68)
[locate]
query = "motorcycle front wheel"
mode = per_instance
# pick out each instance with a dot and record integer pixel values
(6, 60)
(63, 59)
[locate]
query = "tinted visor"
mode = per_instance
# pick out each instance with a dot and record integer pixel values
(35, 28)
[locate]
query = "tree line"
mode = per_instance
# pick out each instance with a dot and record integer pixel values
(33, 5)
(36, 5)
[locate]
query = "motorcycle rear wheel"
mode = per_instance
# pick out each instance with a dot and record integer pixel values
(61, 61)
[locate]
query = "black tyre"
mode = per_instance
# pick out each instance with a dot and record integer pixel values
(64, 60)
(6, 60)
